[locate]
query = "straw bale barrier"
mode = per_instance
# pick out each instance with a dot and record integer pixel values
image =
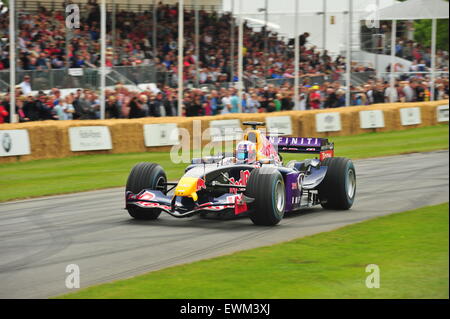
(50, 139)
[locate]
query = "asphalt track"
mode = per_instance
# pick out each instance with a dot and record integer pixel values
(40, 237)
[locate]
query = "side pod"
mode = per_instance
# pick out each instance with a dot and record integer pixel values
(316, 177)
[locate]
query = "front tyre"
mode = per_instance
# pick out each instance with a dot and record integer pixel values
(266, 186)
(338, 189)
(145, 176)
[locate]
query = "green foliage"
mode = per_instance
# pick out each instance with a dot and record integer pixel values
(423, 30)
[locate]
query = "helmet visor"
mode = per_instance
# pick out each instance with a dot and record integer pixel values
(241, 156)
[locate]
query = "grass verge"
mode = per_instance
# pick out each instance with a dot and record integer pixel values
(410, 249)
(89, 172)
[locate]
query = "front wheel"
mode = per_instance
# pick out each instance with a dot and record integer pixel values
(338, 189)
(145, 176)
(266, 186)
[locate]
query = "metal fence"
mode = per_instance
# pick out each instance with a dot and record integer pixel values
(88, 78)
(407, 75)
(130, 6)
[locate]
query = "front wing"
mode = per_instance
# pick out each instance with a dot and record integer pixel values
(174, 205)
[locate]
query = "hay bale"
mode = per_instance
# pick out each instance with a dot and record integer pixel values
(50, 139)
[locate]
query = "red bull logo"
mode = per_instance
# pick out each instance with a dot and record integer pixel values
(201, 184)
(243, 180)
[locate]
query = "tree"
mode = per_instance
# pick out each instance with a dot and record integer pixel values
(422, 33)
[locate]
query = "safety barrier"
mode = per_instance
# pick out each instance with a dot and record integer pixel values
(59, 139)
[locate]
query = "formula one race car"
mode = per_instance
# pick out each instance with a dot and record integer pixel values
(252, 180)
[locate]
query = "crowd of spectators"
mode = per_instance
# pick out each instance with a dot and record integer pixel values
(42, 45)
(406, 47)
(162, 101)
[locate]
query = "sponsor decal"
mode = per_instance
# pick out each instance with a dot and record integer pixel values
(328, 122)
(279, 124)
(6, 142)
(153, 205)
(295, 141)
(239, 206)
(244, 176)
(14, 143)
(90, 138)
(410, 116)
(442, 113)
(207, 206)
(371, 119)
(146, 196)
(326, 154)
(201, 184)
(225, 130)
(329, 119)
(161, 134)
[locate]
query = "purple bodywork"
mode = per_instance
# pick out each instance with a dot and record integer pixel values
(296, 141)
(297, 144)
(293, 191)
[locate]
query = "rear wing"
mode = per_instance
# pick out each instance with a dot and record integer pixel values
(303, 145)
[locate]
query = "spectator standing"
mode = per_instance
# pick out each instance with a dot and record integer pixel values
(234, 101)
(314, 98)
(277, 102)
(159, 104)
(378, 94)
(340, 94)
(391, 94)
(19, 110)
(3, 114)
(420, 93)
(252, 104)
(169, 105)
(409, 91)
(136, 108)
(215, 102)
(112, 109)
(331, 100)
(30, 108)
(46, 111)
(226, 102)
(25, 86)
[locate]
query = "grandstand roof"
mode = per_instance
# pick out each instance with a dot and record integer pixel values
(415, 9)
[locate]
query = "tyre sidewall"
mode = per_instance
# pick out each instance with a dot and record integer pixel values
(262, 187)
(144, 176)
(333, 191)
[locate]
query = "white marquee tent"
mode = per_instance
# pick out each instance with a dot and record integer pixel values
(415, 10)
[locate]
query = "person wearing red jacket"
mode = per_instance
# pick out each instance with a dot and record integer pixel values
(3, 114)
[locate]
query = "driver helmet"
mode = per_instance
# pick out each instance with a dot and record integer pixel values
(246, 152)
